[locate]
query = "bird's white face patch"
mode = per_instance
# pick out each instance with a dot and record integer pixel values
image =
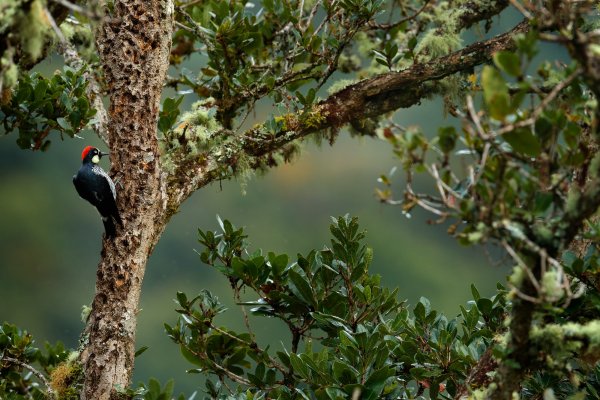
(96, 159)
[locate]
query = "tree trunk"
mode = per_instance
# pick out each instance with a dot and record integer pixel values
(134, 45)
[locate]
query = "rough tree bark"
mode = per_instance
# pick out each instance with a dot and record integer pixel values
(134, 45)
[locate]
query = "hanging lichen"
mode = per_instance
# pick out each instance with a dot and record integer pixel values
(33, 29)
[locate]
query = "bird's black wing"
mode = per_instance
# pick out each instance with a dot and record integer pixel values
(99, 193)
(83, 190)
(107, 204)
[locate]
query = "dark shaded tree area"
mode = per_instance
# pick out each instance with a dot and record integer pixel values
(518, 168)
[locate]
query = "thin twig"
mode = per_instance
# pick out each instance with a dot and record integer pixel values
(249, 344)
(312, 14)
(373, 25)
(523, 295)
(484, 156)
(425, 205)
(522, 264)
(81, 10)
(438, 181)
(184, 27)
(475, 117)
(55, 28)
(34, 371)
(521, 9)
(442, 183)
(230, 375)
(300, 11)
(540, 108)
(196, 28)
(192, 3)
(325, 20)
(250, 108)
(236, 296)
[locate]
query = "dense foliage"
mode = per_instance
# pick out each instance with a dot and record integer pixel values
(518, 168)
(20, 380)
(40, 106)
(350, 336)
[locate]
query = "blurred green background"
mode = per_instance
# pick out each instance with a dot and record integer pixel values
(50, 238)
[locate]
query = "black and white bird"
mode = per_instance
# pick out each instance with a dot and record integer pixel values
(95, 186)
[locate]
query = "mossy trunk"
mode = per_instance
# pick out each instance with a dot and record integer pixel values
(134, 44)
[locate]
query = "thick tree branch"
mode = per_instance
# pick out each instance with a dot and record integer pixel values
(134, 45)
(369, 98)
(475, 11)
(393, 90)
(508, 376)
(387, 92)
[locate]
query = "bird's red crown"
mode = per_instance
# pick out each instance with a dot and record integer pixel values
(85, 152)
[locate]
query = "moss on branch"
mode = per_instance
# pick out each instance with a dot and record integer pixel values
(268, 146)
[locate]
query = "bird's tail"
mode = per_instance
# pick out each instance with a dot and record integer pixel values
(109, 227)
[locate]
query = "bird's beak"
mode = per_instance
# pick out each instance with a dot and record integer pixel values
(103, 154)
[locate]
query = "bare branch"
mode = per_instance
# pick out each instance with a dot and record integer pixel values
(81, 10)
(524, 267)
(374, 25)
(55, 27)
(195, 27)
(34, 371)
(540, 107)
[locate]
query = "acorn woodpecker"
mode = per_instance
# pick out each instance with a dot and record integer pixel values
(95, 186)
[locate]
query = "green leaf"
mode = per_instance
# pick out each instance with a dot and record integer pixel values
(299, 366)
(164, 124)
(301, 288)
(63, 123)
(141, 350)
(543, 200)
(572, 133)
(191, 357)
(447, 138)
(485, 306)
(495, 93)
(154, 387)
(65, 101)
(475, 292)
(523, 141)
(544, 129)
(301, 393)
(419, 312)
(40, 89)
(24, 92)
(472, 318)
(279, 263)
(167, 393)
(335, 393)
(182, 299)
(343, 373)
(508, 62)
(377, 379)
